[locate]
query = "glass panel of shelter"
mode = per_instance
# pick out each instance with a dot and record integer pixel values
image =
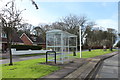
(61, 43)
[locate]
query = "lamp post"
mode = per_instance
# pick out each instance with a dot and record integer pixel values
(80, 40)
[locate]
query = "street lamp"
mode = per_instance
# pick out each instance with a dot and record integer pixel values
(80, 40)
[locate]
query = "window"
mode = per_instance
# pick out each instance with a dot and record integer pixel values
(3, 35)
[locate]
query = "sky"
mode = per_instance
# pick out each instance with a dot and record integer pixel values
(103, 13)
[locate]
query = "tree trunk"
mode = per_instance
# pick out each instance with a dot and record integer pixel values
(111, 49)
(9, 48)
(10, 54)
(89, 49)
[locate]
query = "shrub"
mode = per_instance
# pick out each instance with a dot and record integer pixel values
(26, 47)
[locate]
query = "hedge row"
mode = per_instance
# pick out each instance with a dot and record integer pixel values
(26, 47)
(94, 47)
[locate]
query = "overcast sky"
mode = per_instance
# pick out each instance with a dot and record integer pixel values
(105, 14)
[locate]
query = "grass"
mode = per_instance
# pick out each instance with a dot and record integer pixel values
(87, 54)
(93, 53)
(27, 69)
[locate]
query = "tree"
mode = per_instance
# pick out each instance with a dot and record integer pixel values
(58, 25)
(119, 34)
(88, 37)
(118, 44)
(71, 24)
(96, 37)
(112, 37)
(34, 3)
(40, 30)
(10, 18)
(25, 28)
(87, 31)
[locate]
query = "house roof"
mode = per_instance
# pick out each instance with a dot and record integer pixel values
(39, 40)
(15, 38)
(26, 36)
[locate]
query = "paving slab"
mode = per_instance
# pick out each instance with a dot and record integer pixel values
(109, 68)
(78, 71)
(67, 68)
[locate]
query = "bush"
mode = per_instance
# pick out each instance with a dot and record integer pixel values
(26, 47)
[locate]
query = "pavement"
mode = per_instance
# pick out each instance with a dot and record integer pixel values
(67, 69)
(18, 58)
(109, 68)
(80, 69)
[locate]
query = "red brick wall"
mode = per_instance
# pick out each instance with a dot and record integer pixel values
(26, 40)
(44, 46)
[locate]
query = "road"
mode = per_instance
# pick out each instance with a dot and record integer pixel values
(109, 68)
(19, 58)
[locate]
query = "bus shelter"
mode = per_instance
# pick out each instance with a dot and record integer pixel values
(63, 43)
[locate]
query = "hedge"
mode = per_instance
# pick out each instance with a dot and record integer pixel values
(26, 47)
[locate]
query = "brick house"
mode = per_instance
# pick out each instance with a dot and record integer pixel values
(26, 39)
(32, 40)
(22, 40)
(15, 41)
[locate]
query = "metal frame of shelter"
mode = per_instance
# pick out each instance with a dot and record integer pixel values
(63, 43)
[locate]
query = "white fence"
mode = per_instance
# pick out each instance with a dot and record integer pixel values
(21, 52)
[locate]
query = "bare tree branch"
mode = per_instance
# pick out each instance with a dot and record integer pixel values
(33, 2)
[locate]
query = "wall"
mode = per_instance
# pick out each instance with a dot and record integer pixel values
(20, 52)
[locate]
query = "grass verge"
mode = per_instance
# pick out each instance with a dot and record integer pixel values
(94, 53)
(27, 69)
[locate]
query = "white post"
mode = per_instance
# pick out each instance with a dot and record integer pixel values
(46, 41)
(68, 49)
(76, 45)
(54, 42)
(62, 55)
(80, 40)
